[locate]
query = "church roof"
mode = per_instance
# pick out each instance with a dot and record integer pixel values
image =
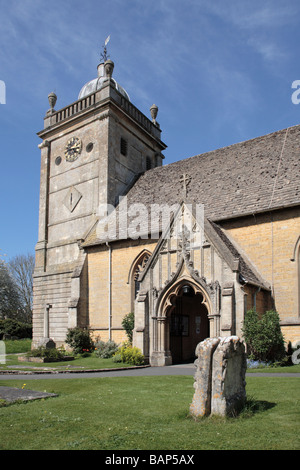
(253, 176)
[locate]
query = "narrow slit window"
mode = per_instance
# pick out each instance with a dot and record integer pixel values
(123, 146)
(148, 163)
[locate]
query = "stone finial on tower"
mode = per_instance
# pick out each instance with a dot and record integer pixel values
(108, 64)
(154, 111)
(109, 67)
(52, 101)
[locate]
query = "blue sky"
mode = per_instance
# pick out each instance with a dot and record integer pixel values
(220, 71)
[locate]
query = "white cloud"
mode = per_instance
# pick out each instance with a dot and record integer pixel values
(260, 24)
(255, 14)
(269, 51)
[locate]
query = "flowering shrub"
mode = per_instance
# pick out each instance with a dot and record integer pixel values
(252, 364)
(106, 350)
(130, 355)
(80, 340)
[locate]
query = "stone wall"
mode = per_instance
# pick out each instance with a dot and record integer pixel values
(270, 241)
(120, 302)
(54, 290)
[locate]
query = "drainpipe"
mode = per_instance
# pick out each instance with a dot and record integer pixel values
(254, 297)
(109, 290)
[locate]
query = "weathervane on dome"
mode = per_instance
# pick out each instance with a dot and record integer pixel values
(104, 55)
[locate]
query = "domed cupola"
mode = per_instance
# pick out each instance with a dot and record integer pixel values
(105, 70)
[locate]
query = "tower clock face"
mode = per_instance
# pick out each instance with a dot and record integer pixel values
(73, 149)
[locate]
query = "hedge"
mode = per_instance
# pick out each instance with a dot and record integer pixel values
(14, 329)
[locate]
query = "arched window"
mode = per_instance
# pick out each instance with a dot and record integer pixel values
(296, 259)
(137, 267)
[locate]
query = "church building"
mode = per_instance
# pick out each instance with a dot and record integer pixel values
(188, 247)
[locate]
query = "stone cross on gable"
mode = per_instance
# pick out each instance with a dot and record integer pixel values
(185, 180)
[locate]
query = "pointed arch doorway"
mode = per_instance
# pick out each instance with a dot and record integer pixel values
(188, 323)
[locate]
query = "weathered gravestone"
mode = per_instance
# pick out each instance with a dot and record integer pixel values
(220, 387)
(46, 343)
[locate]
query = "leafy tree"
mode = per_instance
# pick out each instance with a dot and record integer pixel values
(263, 336)
(10, 301)
(10, 327)
(21, 268)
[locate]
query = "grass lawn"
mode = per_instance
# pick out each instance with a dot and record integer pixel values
(14, 348)
(84, 363)
(17, 346)
(148, 413)
(293, 369)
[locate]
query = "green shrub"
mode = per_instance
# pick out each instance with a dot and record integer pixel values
(263, 336)
(52, 354)
(10, 329)
(117, 357)
(79, 340)
(131, 355)
(105, 350)
(85, 353)
(128, 325)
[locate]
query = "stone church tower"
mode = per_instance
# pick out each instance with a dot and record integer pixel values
(92, 152)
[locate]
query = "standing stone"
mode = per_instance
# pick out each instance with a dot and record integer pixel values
(229, 365)
(201, 405)
(220, 377)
